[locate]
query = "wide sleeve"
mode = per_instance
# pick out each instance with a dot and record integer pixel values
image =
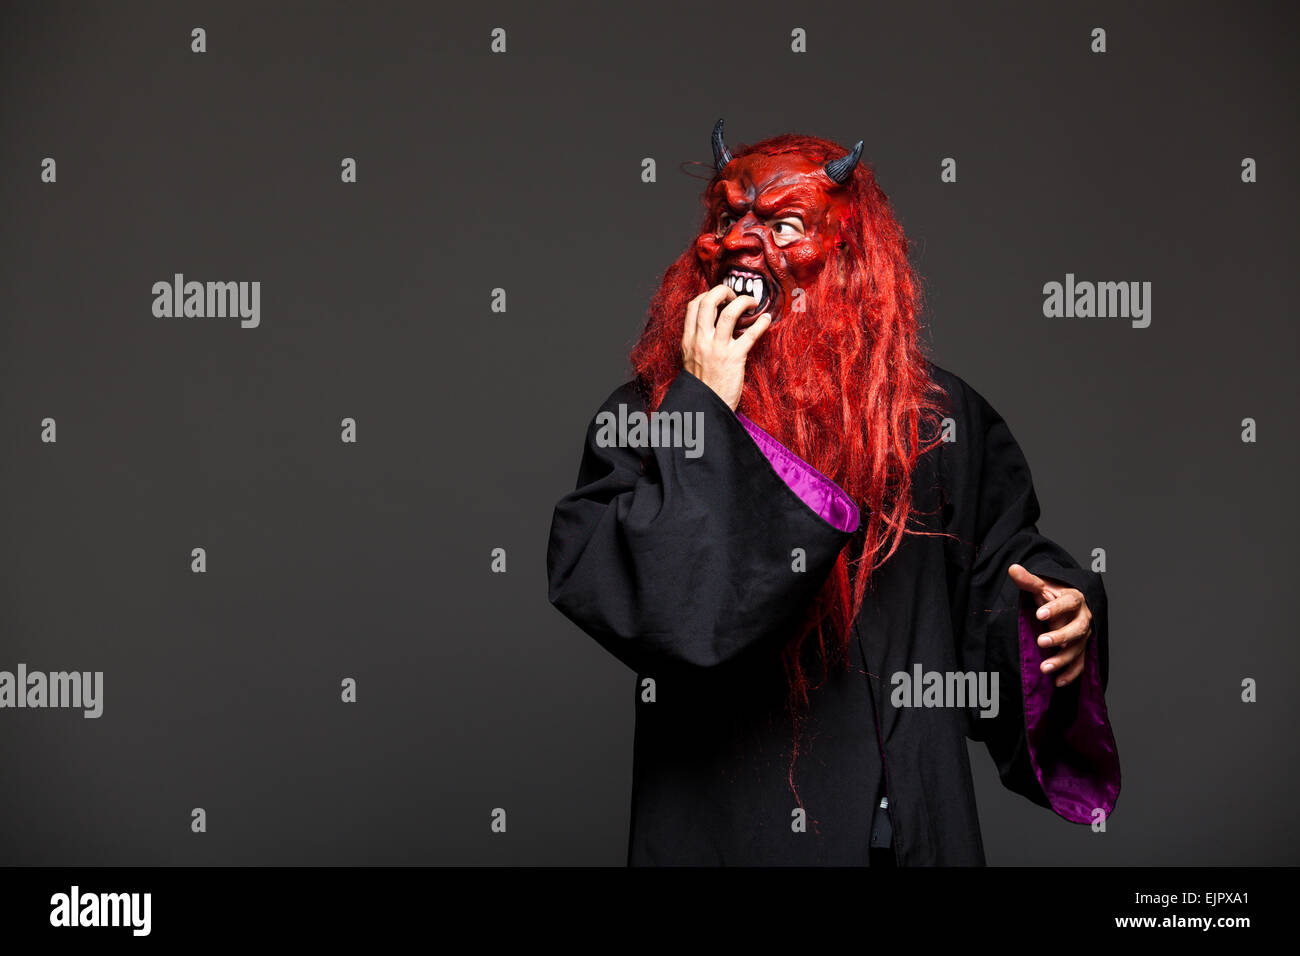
(1052, 744)
(669, 556)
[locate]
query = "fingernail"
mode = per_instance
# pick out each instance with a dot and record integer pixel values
(1044, 641)
(1048, 666)
(1042, 612)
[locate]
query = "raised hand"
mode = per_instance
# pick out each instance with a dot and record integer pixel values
(1067, 612)
(711, 351)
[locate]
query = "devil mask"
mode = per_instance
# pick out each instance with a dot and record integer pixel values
(777, 221)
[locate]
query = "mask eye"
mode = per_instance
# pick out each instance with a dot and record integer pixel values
(725, 221)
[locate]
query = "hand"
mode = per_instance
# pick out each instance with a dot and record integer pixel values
(709, 352)
(1070, 619)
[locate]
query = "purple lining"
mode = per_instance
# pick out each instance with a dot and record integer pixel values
(1077, 766)
(814, 489)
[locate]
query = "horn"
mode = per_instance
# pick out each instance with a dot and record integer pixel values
(841, 169)
(721, 155)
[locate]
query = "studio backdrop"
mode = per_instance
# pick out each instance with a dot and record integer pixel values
(294, 546)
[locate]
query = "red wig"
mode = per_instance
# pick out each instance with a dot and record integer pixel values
(842, 383)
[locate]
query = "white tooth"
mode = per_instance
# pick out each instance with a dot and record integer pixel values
(758, 289)
(748, 284)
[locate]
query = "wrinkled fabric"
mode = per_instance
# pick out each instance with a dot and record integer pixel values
(683, 570)
(1073, 753)
(814, 489)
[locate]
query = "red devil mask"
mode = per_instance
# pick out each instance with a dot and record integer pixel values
(777, 222)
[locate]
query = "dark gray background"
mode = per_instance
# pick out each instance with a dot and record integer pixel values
(522, 171)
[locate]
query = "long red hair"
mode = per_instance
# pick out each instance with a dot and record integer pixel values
(843, 384)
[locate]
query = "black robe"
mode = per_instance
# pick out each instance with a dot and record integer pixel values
(684, 569)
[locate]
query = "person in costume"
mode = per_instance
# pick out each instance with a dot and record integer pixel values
(845, 580)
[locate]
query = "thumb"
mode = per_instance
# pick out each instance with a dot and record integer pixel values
(1026, 580)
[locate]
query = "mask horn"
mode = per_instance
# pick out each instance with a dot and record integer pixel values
(721, 155)
(841, 169)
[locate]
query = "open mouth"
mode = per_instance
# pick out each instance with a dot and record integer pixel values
(749, 282)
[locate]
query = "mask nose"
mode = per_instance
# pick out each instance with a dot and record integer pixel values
(743, 234)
